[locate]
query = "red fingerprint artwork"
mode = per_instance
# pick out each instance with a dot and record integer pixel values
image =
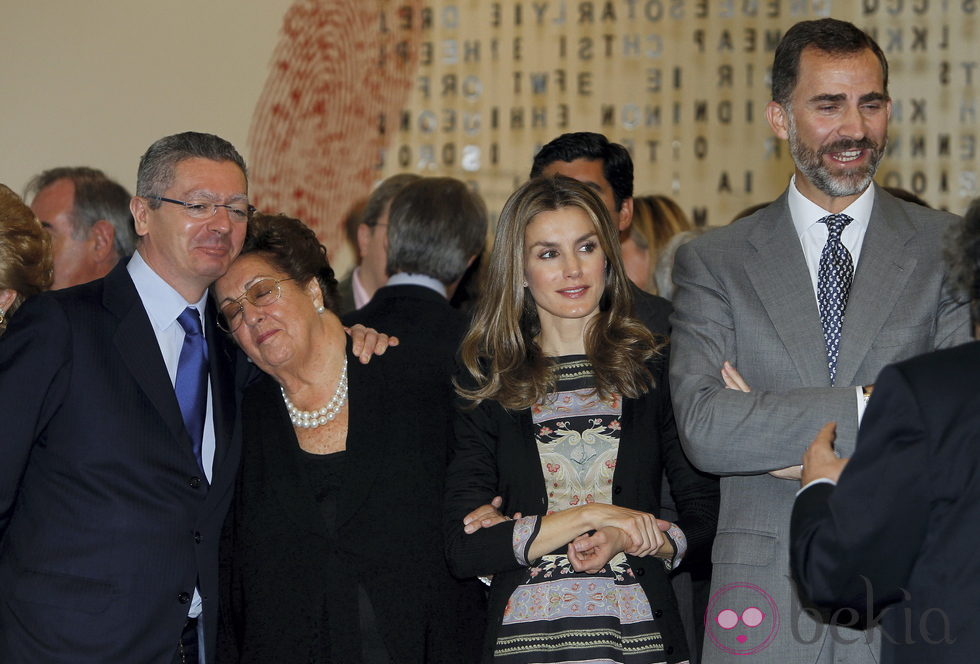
(316, 133)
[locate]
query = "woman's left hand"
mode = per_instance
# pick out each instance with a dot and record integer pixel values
(641, 527)
(590, 553)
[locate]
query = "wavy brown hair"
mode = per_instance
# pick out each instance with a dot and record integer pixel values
(26, 265)
(501, 353)
(294, 248)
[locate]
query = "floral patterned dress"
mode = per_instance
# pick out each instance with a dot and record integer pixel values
(557, 614)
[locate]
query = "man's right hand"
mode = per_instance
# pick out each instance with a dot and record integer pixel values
(485, 516)
(819, 460)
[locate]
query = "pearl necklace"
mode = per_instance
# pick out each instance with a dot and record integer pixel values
(311, 419)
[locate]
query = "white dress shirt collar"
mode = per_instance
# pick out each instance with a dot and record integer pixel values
(414, 279)
(806, 213)
(162, 302)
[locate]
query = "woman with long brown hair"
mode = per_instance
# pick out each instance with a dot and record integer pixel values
(564, 413)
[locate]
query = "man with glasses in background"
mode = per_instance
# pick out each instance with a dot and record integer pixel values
(372, 245)
(117, 459)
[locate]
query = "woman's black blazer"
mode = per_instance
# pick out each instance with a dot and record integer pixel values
(280, 563)
(495, 454)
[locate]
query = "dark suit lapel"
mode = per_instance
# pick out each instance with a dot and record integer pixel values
(883, 269)
(137, 345)
(779, 274)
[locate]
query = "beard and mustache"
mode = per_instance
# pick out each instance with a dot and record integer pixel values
(844, 181)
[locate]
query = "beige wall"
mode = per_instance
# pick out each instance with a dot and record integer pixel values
(94, 82)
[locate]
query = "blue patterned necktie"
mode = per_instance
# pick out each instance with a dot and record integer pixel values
(833, 284)
(191, 385)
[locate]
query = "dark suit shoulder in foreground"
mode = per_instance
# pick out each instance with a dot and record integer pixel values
(898, 533)
(415, 314)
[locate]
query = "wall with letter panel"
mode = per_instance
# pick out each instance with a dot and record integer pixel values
(325, 97)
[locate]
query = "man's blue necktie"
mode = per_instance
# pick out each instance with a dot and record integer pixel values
(191, 385)
(833, 285)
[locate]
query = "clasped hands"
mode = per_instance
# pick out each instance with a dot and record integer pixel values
(819, 459)
(614, 529)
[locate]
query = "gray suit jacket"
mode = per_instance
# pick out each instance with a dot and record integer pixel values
(744, 294)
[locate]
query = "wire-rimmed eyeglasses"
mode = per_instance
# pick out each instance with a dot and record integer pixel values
(262, 293)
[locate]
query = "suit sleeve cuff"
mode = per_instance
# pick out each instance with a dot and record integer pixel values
(525, 530)
(679, 540)
(819, 480)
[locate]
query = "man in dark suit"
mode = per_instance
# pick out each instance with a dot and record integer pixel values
(436, 229)
(893, 538)
(608, 168)
(118, 454)
(371, 239)
(809, 298)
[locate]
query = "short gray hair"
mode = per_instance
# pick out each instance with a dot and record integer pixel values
(435, 226)
(96, 197)
(381, 197)
(158, 165)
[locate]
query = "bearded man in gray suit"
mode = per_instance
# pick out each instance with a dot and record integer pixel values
(808, 298)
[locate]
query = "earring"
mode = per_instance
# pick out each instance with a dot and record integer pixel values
(525, 284)
(321, 309)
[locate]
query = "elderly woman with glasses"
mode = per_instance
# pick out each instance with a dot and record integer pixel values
(333, 549)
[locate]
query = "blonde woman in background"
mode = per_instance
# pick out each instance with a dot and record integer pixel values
(25, 255)
(655, 220)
